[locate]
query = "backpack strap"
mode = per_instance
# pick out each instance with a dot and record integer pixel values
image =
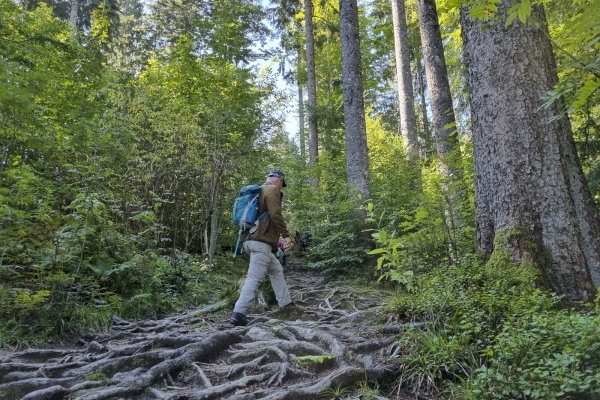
(245, 214)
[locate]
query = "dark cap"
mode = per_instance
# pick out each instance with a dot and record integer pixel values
(277, 173)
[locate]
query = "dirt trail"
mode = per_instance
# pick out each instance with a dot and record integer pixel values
(334, 344)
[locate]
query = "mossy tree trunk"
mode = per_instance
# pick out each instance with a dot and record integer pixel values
(528, 177)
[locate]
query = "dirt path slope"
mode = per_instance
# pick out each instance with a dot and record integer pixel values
(335, 344)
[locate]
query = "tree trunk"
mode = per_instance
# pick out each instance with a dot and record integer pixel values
(406, 98)
(313, 141)
(357, 162)
(73, 15)
(218, 171)
(214, 233)
(421, 79)
(301, 123)
(529, 186)
(440, 97)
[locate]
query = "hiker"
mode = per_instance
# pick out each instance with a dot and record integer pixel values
(261, 242)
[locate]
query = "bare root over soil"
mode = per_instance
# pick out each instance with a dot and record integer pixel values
(333, 344)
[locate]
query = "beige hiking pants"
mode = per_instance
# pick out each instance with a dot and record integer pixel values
(262, 262)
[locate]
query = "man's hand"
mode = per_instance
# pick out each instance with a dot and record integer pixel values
(287, 243)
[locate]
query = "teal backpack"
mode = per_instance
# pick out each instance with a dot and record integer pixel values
(245, 211)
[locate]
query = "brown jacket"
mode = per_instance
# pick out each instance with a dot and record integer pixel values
(268, 231)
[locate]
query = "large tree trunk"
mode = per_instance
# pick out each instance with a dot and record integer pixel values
(531, 197)
(440, 97)
(313, 141)
(406, 98)
(357, 161)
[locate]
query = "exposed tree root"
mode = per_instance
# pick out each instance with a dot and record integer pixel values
(298, 353)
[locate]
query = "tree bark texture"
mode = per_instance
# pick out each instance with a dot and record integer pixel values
(357, 161)
(313, 141)
(440, 97)
(406, 98)
(527, 172)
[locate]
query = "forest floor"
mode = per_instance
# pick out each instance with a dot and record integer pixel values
(338, 344)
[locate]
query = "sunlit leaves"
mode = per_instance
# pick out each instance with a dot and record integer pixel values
(100, 24)
(520, 9)
(585, 92)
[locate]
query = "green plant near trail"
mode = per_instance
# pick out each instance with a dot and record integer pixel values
(364, 389)
(541, 353)
(335, 393)
(418, 238)
(490, 334)
(76, 303)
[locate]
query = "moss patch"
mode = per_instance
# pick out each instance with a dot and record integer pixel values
(316, 363)
(96, 376)
(513, 246)
(138, 362)
(289, 313)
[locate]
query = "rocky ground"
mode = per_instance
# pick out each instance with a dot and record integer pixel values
(336, 345)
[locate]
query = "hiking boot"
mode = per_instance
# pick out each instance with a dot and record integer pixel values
(238, 319)
(291, 304)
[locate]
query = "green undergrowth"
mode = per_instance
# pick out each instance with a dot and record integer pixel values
(43, 306)
(487, 332)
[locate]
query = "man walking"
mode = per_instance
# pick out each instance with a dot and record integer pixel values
(261, 242)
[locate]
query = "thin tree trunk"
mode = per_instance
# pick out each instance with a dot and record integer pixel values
(421, 80)
(357, 161)
(73, 15)
(214, 200)
(301, 123)
(440, 97)
(531, 197)
(313, 141)
(206, 241)
(406, 98)
(214, 233)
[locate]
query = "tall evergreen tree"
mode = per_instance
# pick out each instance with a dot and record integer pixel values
(531, 196)
(406, 98)
(440, 97)
(357, 162)
(313, 139)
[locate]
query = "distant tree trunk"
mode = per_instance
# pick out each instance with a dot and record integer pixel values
(215, 184)
(421, 81)
(406, 98)
(301, 123)
(357, 161)
(313, 141)
(73, 15)
(531, 197)
(440, 97)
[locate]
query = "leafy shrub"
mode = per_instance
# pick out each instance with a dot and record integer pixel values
(339, 246)
(463, 306)
(490, 334)
(541, 353)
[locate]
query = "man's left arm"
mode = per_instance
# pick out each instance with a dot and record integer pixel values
(273, 200)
